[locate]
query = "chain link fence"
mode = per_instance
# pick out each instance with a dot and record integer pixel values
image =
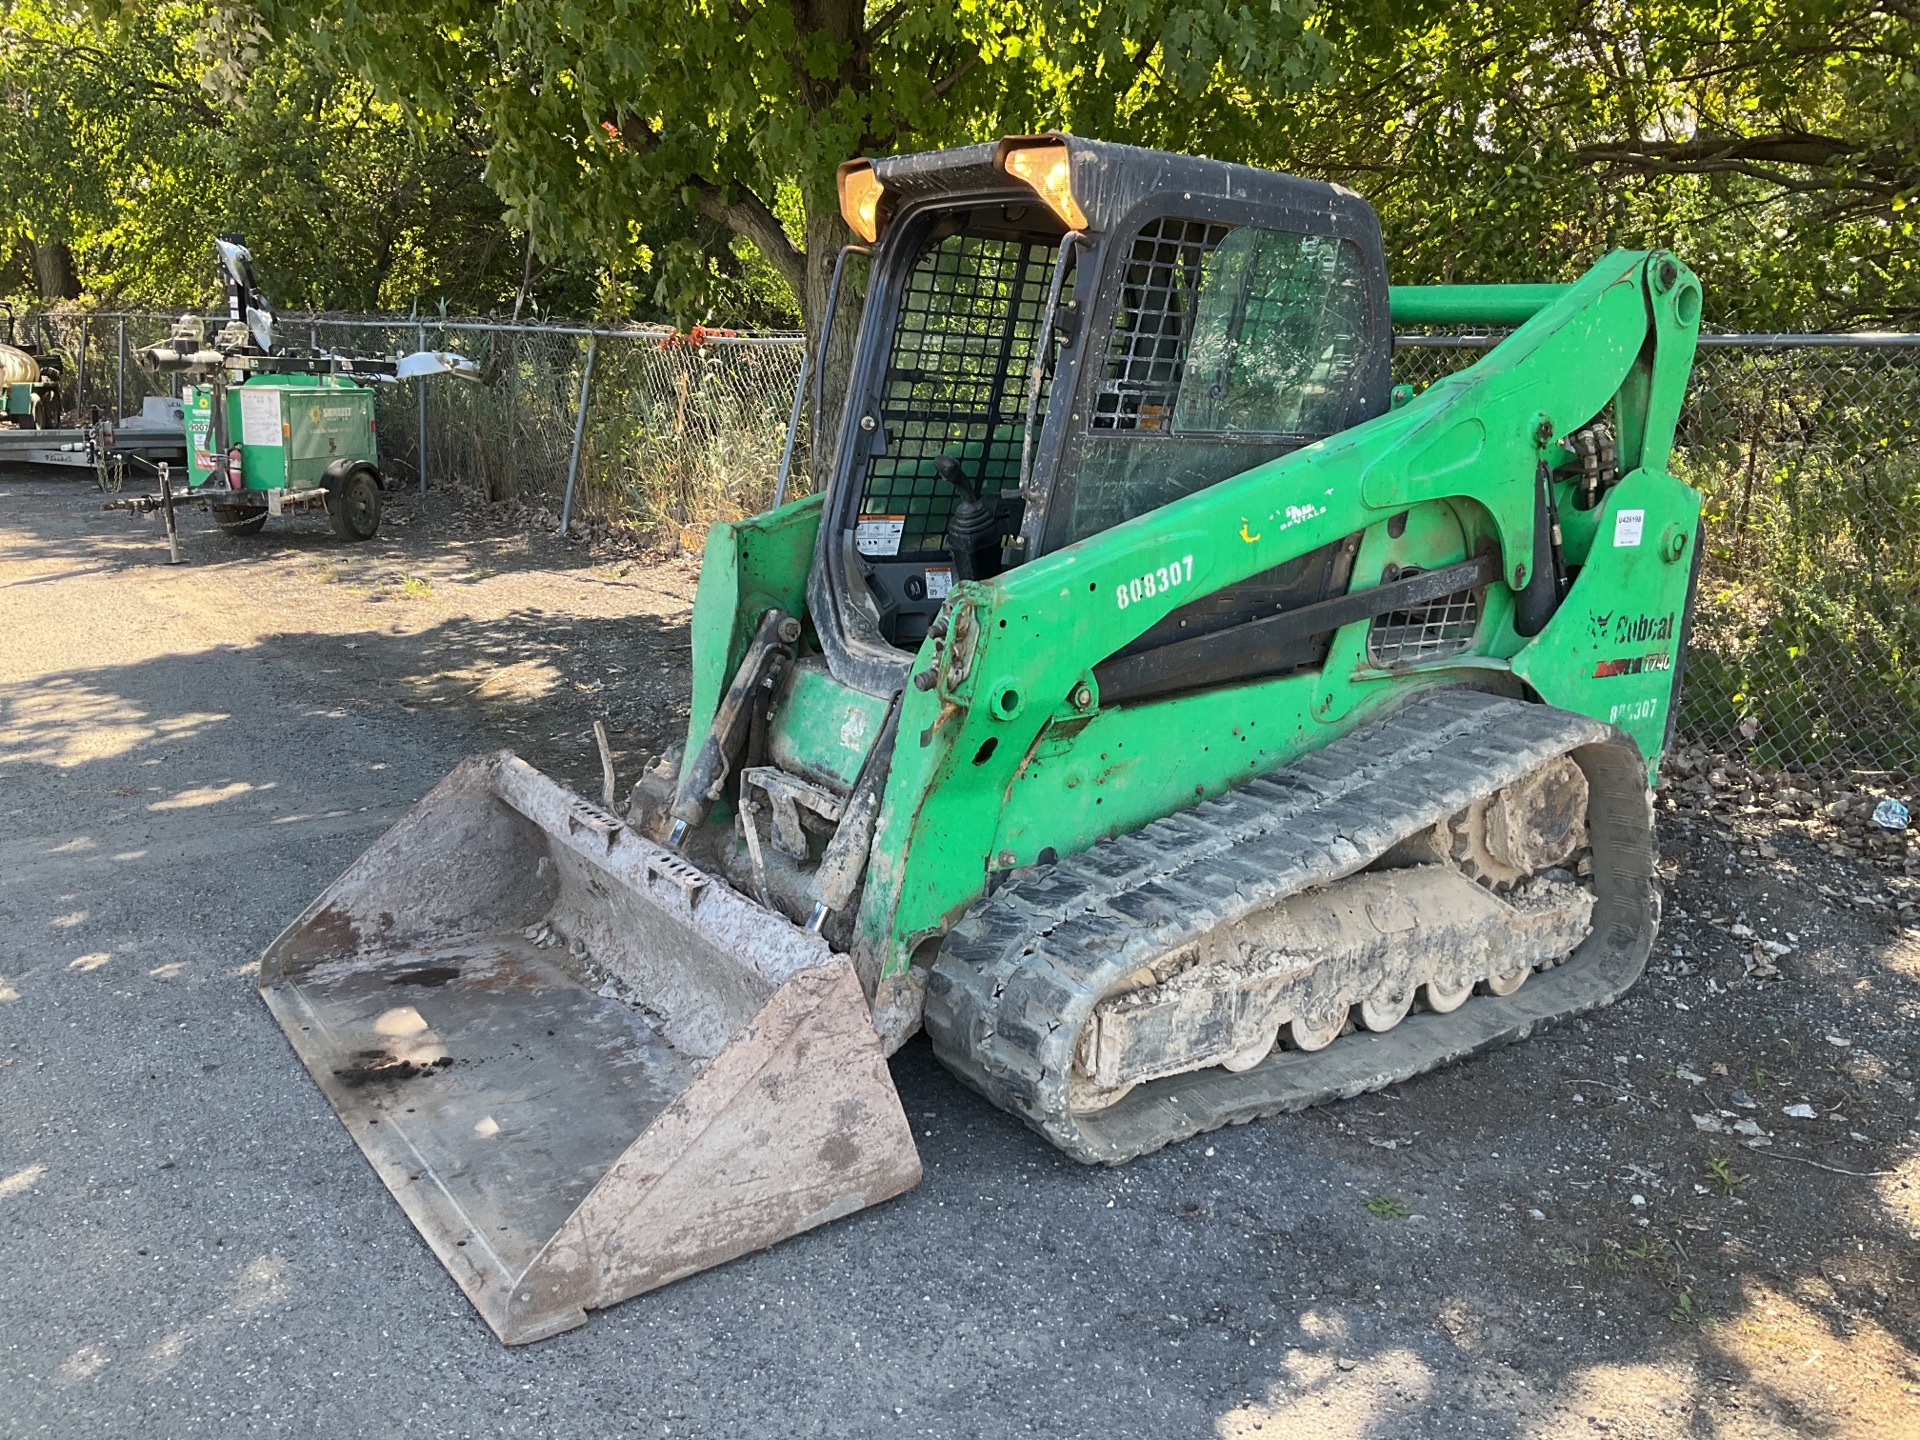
(678, 430)
(1806, 631)
(1807, 449)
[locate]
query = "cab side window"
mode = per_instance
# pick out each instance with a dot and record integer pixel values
(1231, 345)
(1277, 334)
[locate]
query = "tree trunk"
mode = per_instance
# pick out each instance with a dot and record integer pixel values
(53, 270)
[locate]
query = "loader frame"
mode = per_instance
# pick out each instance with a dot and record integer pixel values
(996, 765)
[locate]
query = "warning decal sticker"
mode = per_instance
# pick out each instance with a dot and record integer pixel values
(878, 534)
(259, 416)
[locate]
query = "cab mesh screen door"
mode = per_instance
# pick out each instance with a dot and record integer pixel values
(956, 384)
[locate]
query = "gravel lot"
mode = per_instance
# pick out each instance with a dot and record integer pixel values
(1617, 1228)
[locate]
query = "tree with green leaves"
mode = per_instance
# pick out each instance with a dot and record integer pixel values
(126, 145)
(673, 159)
(1772, 140)
(1776, 143)
(608, 116)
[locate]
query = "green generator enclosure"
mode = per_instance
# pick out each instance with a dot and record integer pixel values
(289, 429)
(19, 400)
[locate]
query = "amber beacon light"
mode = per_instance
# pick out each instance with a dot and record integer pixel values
(860, 196)
(1047, 169)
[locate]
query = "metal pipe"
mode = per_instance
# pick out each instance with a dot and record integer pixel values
(1470, 304)
(166, 506)
(579, 431)
(166, 360)
(420, 392)
(647, 332)
(657, 332)
(120, 374)
(1447, 342)
(1865, 339)
(1757, 340)
(793, 431)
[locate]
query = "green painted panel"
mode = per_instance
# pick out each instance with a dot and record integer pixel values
(1612, 648)
(197, 408)
(1086, 780)
(750, 566)
(822, 730)
(324, 425)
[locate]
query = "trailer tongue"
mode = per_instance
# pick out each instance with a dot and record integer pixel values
(559, 1147)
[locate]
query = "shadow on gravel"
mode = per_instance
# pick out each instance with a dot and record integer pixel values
(530, 679)
(60, 517)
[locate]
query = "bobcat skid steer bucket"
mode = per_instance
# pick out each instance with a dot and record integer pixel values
(561, 1147)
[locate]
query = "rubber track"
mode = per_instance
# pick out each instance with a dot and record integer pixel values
(1019, 975)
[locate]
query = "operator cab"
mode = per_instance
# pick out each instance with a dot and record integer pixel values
(1061, 335)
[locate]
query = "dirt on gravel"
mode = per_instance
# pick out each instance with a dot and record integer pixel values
(1695, 1213)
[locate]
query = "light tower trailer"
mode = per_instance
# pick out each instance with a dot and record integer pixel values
(274, 433)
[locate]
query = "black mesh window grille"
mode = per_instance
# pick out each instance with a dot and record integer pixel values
(1432, 631)
(956, 384)
(1154, 325)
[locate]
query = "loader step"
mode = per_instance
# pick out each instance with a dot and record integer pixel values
(1021, 973)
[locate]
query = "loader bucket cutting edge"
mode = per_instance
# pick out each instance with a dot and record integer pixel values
(559, 1148)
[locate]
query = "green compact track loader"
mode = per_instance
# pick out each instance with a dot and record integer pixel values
(1176, 719)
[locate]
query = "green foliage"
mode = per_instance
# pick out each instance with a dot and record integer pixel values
(1687, 1312)
(1385, 1207)
(1719, 1169)
(608, 117)
(677, 159)
(1774, 143)
(114, 150)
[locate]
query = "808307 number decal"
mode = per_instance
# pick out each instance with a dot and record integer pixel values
(1155, 582)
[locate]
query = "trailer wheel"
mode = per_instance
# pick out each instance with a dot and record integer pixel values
(355, 506)
(238, 519)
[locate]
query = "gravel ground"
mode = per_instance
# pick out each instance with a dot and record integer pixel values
(1694, 1213)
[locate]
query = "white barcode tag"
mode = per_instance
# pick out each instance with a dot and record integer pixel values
(1627, 526)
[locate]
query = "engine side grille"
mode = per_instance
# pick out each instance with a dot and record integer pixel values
(1432, 631)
